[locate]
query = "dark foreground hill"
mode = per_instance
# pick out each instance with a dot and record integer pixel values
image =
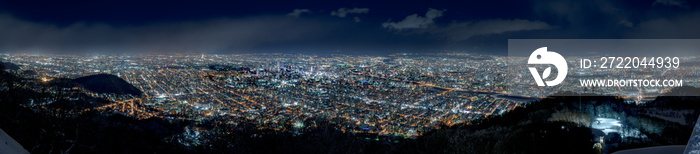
(9, 66)
(563, 125)
(107, 83)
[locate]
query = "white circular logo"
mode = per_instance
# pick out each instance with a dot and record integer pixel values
(542, 56)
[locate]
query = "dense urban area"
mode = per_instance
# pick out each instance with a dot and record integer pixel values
(399, 95)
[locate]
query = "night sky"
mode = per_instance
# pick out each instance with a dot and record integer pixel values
(362, 27)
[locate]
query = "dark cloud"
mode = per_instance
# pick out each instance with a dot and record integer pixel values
(415, 21)
(673, 3)
(292, 27)
(580, 14)
(297, 12)
(683, 26)
(460, 31)
(599, 19)
(626, 23)
(342, 12)
(192, 36)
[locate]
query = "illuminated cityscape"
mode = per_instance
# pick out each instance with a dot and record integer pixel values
(377, 94)
(400, 94)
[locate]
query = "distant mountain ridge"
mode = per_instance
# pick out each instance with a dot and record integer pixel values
(107, 83)
(683, 91)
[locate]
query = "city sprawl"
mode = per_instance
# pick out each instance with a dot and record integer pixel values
(399, 94)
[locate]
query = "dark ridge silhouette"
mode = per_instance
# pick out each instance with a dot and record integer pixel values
(683, 91)
(678, 98)
(83, 101)
(9, 66)
(108, 84)
(228, 68)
